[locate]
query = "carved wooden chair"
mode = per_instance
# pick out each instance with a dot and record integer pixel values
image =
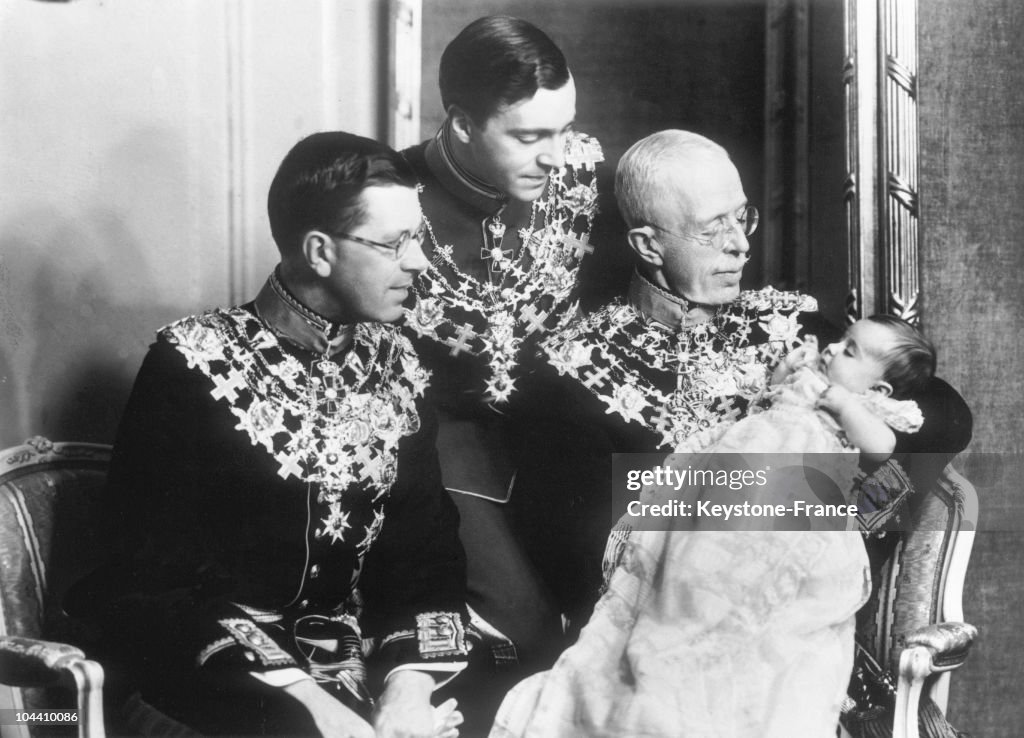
(50, 537)
(913, 625)
(45, 488)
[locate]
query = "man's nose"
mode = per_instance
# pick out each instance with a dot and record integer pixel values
(736, 240)
(414, 260)
(553, 154)
(831, 350)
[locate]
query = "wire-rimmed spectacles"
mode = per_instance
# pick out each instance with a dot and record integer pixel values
(398, 247)
(746, 219)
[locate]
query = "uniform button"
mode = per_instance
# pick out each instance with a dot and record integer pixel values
(304, 604)
(314, 571)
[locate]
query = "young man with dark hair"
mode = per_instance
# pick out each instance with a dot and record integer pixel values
(509, 195)
(504, 82)
(275, 492)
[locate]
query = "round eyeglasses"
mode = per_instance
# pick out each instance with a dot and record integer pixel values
(398, 247)
(746, 219)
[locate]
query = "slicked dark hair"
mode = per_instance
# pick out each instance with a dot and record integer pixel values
(319, 183)
(497, 61)
(910, 363)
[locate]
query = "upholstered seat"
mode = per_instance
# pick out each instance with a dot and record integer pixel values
(913, 626)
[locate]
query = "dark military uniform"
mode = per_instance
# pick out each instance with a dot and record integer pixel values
(630, 378)
(277, 505)
(503, 274)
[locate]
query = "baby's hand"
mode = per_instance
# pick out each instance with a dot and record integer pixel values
(804, 355)
(835, 398)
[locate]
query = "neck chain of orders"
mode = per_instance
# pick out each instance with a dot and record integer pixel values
(527, 291)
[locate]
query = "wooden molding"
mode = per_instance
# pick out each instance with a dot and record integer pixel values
(882, 150)
(786, 239)
(405, 24)
(240, 258)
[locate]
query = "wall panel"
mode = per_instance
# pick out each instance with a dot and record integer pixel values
(137, 141)
(972, 186)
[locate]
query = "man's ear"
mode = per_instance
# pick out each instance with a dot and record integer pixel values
(883, 388)
(646, 246)
(462, 125)
(317, 253)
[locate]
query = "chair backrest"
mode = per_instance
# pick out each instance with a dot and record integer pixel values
(49, 538)
(922, 581)
(45, 488)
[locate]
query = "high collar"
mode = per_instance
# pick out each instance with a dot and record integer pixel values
(456, 179)
(662, 306)
(290, 319)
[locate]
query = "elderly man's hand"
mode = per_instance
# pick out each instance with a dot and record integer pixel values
(404, 709)
(804, 355)
(447, 720)
(331, 717)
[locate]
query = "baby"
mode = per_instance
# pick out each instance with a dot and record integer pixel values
(739, 632)
(861, 381)
(833, 409)
(850, 397)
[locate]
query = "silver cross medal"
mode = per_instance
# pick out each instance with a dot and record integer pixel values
(497, 255)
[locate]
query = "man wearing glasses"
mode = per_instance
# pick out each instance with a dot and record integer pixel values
(682, 351)
(660, 370)
(275, 491)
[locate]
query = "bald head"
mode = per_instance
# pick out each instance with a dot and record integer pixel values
(659, 174)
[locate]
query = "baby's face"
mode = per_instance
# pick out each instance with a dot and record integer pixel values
(856, 361)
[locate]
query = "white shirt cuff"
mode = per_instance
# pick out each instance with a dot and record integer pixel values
(442, 673)
(281, 677)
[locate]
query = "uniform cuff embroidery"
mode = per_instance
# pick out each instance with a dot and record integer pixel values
(440, 634)
(258, 643)
(215, 647)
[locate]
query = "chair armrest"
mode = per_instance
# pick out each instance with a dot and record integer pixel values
(929, 650)
(948, 643)
(28, 662)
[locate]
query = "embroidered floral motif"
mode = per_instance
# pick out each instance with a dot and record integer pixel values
(679, 383)
(426, 315)
(335, 425)
(569, 356)
(627, 401)
(529, 291)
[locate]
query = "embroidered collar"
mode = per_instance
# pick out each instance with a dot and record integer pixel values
(454, 177)
(290, 319)
(684, 383)
(661, 305)
(334, 425)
